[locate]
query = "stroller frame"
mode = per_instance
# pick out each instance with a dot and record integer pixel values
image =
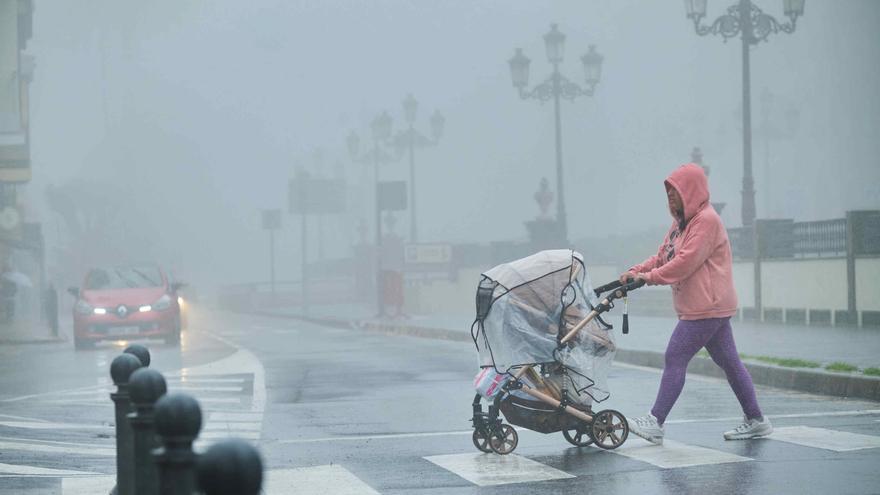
(608, 428)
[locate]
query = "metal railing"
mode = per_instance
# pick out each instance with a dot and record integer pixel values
(789, 239)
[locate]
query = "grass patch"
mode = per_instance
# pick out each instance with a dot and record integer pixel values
(872, 371)
(839, 366)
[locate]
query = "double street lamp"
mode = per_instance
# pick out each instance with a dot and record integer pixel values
(753, 26)
(380, 128)
(556, 86)
(411, 139)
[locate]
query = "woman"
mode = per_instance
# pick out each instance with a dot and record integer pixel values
(695, 260)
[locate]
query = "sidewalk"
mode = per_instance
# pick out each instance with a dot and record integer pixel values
(646, 343)
(25, 332)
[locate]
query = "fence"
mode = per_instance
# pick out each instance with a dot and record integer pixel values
(859, 233)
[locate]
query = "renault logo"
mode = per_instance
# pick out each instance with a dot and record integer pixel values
(122, 311)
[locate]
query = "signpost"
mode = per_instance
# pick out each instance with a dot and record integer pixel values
(272, 222)
(307, 195)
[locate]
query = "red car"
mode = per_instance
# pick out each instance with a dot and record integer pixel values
(125, 303)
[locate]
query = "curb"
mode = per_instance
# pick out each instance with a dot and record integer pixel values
(801, 380)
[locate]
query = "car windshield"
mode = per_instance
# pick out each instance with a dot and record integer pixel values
(123, 278)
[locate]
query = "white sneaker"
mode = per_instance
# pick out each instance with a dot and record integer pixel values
(647, 428)
(751, 428)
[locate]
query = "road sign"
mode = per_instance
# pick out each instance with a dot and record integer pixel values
(322, 196)
(271, 219)
(417, 254)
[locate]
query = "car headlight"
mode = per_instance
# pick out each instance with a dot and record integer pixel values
(163, 303)
(83, 307)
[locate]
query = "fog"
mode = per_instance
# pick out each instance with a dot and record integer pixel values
(171, 124)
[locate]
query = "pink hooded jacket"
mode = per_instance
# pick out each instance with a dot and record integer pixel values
(695, 259)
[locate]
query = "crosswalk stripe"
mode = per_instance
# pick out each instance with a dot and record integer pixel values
(87, 485)
(492, 470)
(14, 469)
(673, 454)
(317, 480)
(39, 425)
(57, 449)
(821, 438)
(226, 426)
(217, 435)
(236, 416)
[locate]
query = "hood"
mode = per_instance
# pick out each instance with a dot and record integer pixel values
(128, 297)
(693, 187)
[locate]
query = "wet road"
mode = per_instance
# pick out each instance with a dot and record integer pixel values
(339, 411)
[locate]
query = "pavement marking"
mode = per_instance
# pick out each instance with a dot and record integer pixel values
(93, 388)
(218, 400)
(862, 412)
(492, 470)
(821, 438)
(198, 388)
(192, 379)
(82, 449)
(235, 416)
(39, 425)
(6, 470)
(356, 438)
(317, 480)
(242, 361)
(87, 486)
(673, 454)
(238, 426)
(219, 435)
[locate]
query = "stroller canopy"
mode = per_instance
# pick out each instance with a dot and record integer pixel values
(524, 306)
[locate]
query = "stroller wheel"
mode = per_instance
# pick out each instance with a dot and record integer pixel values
(579, 436)
(481, 440)
(503, 439)
(609, 429)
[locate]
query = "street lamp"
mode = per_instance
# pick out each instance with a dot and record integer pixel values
(753, 26)
(380, 128)
(410, 139)
(556, 86)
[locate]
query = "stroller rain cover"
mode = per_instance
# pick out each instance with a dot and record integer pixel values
(525, 306)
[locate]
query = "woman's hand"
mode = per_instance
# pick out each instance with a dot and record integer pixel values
(631, 276)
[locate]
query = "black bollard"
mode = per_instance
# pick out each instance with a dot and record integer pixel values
(230, 467)
(120, 370)
(141, 352)
(178, 421)
(145, 387)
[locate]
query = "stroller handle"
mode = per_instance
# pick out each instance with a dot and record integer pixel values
(631, 284)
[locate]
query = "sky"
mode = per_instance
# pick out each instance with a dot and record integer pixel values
(184, 119)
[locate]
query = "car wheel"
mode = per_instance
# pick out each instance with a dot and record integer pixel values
(174, 337)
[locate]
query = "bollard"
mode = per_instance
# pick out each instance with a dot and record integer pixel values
(178, 421)
(141, 352)
(230, 467)
(120, 370)
(146, 386)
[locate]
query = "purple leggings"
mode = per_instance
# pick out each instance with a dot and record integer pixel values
(716, 335)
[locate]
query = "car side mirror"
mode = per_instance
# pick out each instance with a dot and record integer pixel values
(74, 291)
(176, 286)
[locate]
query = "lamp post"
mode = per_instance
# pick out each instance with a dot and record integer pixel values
(752, 25)
(381, 132)
(410, 139)
(556, 86)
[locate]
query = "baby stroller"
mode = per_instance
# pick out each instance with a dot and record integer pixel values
(544, 353)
